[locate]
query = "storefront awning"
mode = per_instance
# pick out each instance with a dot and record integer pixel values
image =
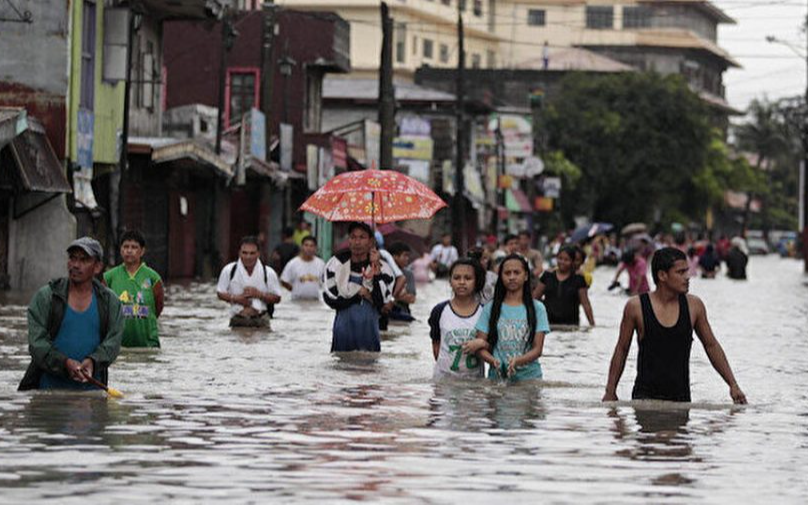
(180, 151)
(36, 167)
(516, 201)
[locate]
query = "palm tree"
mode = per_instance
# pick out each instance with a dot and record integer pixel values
(764, 135)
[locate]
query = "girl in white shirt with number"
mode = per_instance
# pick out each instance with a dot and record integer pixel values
(452, 323)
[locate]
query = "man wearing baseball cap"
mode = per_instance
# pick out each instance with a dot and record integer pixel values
(75, 325)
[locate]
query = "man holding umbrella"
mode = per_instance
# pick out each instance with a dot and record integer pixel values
(357, 284)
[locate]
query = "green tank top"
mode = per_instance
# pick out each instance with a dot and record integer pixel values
(136, 293)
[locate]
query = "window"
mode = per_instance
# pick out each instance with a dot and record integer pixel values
(462, 5)
(444, 53)
(476, 61)
(491, 59)
(429, 49)
(636, 17)
(242, 93)
(87, 96)
(446, 2)
(599, 17)
(401, 42)
(478, 8)
(536, 17)
(415, 45)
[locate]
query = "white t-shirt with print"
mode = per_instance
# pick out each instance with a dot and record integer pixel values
(304, 277)
(453, 331)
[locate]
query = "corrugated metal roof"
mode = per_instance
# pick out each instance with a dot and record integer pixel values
(368, 90)
(575, 58)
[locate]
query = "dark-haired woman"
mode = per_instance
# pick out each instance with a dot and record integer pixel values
(452, 323)
(563, 291)
(513, 325)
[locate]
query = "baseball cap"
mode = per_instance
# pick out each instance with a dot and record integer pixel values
(89, 245)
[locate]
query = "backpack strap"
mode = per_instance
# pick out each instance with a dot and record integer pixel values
(233, 271)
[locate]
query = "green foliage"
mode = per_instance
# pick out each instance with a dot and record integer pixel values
(771, 133)
(641, 141)
(557, 164)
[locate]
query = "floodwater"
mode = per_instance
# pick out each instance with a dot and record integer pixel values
(255, 417)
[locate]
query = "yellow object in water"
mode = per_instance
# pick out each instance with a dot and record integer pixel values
(114, 393)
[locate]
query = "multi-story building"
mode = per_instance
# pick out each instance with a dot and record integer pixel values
(425, 32)
(665, 36)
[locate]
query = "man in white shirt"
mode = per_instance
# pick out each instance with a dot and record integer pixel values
(249, 287)
(303, 273)
(443, 255)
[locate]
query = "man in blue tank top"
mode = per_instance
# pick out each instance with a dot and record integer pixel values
(75, 325)
(664, 321)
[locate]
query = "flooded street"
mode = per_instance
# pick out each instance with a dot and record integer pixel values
(273, 417)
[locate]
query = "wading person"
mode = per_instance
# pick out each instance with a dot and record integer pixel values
(443, 255)
(664, 321)
(249, 286)
(564, 291)
(513, 325)
(452, 323)
(357, 284)
(302, 275)
(75, 325)
(140, 291)
(533, 256)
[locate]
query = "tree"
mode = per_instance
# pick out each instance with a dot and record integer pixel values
(639, 140)
(771, 133)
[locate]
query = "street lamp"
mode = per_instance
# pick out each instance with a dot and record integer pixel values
(774, 40)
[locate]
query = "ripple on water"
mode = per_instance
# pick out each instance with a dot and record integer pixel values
(258, 416)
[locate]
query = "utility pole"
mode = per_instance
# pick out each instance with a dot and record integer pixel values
(459, 207)
(387, 98)
(805, 168)
(228, 35)
(269, 11)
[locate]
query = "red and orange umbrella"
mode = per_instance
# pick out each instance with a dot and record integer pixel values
(378, 196)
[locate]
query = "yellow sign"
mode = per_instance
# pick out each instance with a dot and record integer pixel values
(413, 148)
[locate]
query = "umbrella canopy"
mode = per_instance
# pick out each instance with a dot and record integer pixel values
(631, 229)
(589, 231)
(393, 234)
(378, 196)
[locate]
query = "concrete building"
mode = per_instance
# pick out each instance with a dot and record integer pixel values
(665, 36)
(307, 46)
(425, 32)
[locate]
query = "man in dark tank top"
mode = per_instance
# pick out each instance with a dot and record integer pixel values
(664, 321)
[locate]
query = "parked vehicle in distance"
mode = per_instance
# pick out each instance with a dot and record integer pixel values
(757, 245)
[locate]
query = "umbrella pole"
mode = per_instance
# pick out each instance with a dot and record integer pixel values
(373, 211)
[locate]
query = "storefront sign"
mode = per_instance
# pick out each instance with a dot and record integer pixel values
(413, 148)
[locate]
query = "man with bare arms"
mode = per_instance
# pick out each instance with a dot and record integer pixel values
(664, 321)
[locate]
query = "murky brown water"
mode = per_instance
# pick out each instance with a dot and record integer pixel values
(255, 417)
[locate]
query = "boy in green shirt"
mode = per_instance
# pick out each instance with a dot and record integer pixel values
(140, 290)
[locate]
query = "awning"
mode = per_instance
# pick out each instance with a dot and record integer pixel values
(184, 152)
(13, 121)
(271, 171)
(516, 201)
(36, 166)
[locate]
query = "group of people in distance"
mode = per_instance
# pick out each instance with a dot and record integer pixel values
(498, 315)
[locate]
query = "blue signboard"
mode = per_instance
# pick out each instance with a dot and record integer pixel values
(258, 144)
(84, 138)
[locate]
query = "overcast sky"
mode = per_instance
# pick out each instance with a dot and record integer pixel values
(770, 69)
